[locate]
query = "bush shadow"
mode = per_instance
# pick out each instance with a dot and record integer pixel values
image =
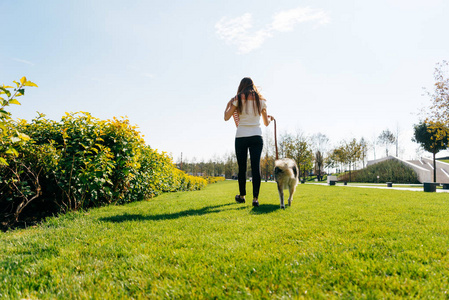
(169, 216)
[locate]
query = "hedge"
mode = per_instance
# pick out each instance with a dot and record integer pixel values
(388, 171)
(83, 162)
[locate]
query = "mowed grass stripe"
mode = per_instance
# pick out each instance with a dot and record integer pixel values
(334, 242)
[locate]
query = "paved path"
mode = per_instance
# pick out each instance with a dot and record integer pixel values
(417, 189)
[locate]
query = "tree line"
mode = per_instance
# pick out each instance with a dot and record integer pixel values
(313, 154)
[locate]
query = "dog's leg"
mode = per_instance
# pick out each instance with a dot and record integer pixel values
(281, 195)
(292, 188)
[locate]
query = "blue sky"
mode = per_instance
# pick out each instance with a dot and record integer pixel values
(341, 68)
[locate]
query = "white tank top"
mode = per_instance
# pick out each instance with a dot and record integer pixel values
(249, 120)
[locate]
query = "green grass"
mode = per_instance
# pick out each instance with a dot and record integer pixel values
(334, 242)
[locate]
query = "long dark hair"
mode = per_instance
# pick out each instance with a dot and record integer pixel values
(246, 88)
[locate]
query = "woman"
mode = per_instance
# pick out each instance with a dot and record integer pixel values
(247, 107)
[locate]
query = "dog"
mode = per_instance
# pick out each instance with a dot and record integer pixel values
(286, 176)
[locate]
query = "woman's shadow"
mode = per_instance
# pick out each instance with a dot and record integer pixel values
(213, 209)
(170, 216)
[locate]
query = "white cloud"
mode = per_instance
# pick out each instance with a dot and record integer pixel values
(286, 20)
(24, 61)
(233, 29)
(238, 31)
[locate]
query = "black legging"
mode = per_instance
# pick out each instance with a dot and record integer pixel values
(255, 145)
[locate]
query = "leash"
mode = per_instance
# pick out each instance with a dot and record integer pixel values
(275, 139)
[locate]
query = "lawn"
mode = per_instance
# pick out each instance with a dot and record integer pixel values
(334, 242)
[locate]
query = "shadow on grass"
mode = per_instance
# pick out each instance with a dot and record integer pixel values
(191, 212)
(265, 209)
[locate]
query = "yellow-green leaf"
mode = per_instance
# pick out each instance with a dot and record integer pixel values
(23, 136)
(7, 87)
(29, 83)
(14, 101)
(18, 84)
(23, 80)
(12, 151)
(3, 162)
(5, 91)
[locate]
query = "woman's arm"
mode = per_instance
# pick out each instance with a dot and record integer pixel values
(229, 111)
(266, 118)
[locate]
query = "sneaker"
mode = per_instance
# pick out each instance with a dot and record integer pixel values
(239, 199)
(255, 203)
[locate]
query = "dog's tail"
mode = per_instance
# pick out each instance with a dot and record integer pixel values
(295, 171)
(278, 173)
(277, 170)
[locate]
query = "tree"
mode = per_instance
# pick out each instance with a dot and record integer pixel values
(387, 138)
(319, 163)
(284, 140)
(433, 133)
(438, 118)
(267, 159)
(267, 166)
(372, 144)
(431, 140)
(330, 162)
(298, 148)
(319, 142)
(230, 165)
(340, 155)
(353, 151)
(397, 140)
(348, 153)
(363, 150)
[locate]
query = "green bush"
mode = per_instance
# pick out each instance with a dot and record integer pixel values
(157, 174)
(388, 171)
(81, 162)
(214, 179)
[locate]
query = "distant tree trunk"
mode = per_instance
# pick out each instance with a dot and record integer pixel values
(266, 166)
(397, 147)
(349, 171)
(434, 168)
